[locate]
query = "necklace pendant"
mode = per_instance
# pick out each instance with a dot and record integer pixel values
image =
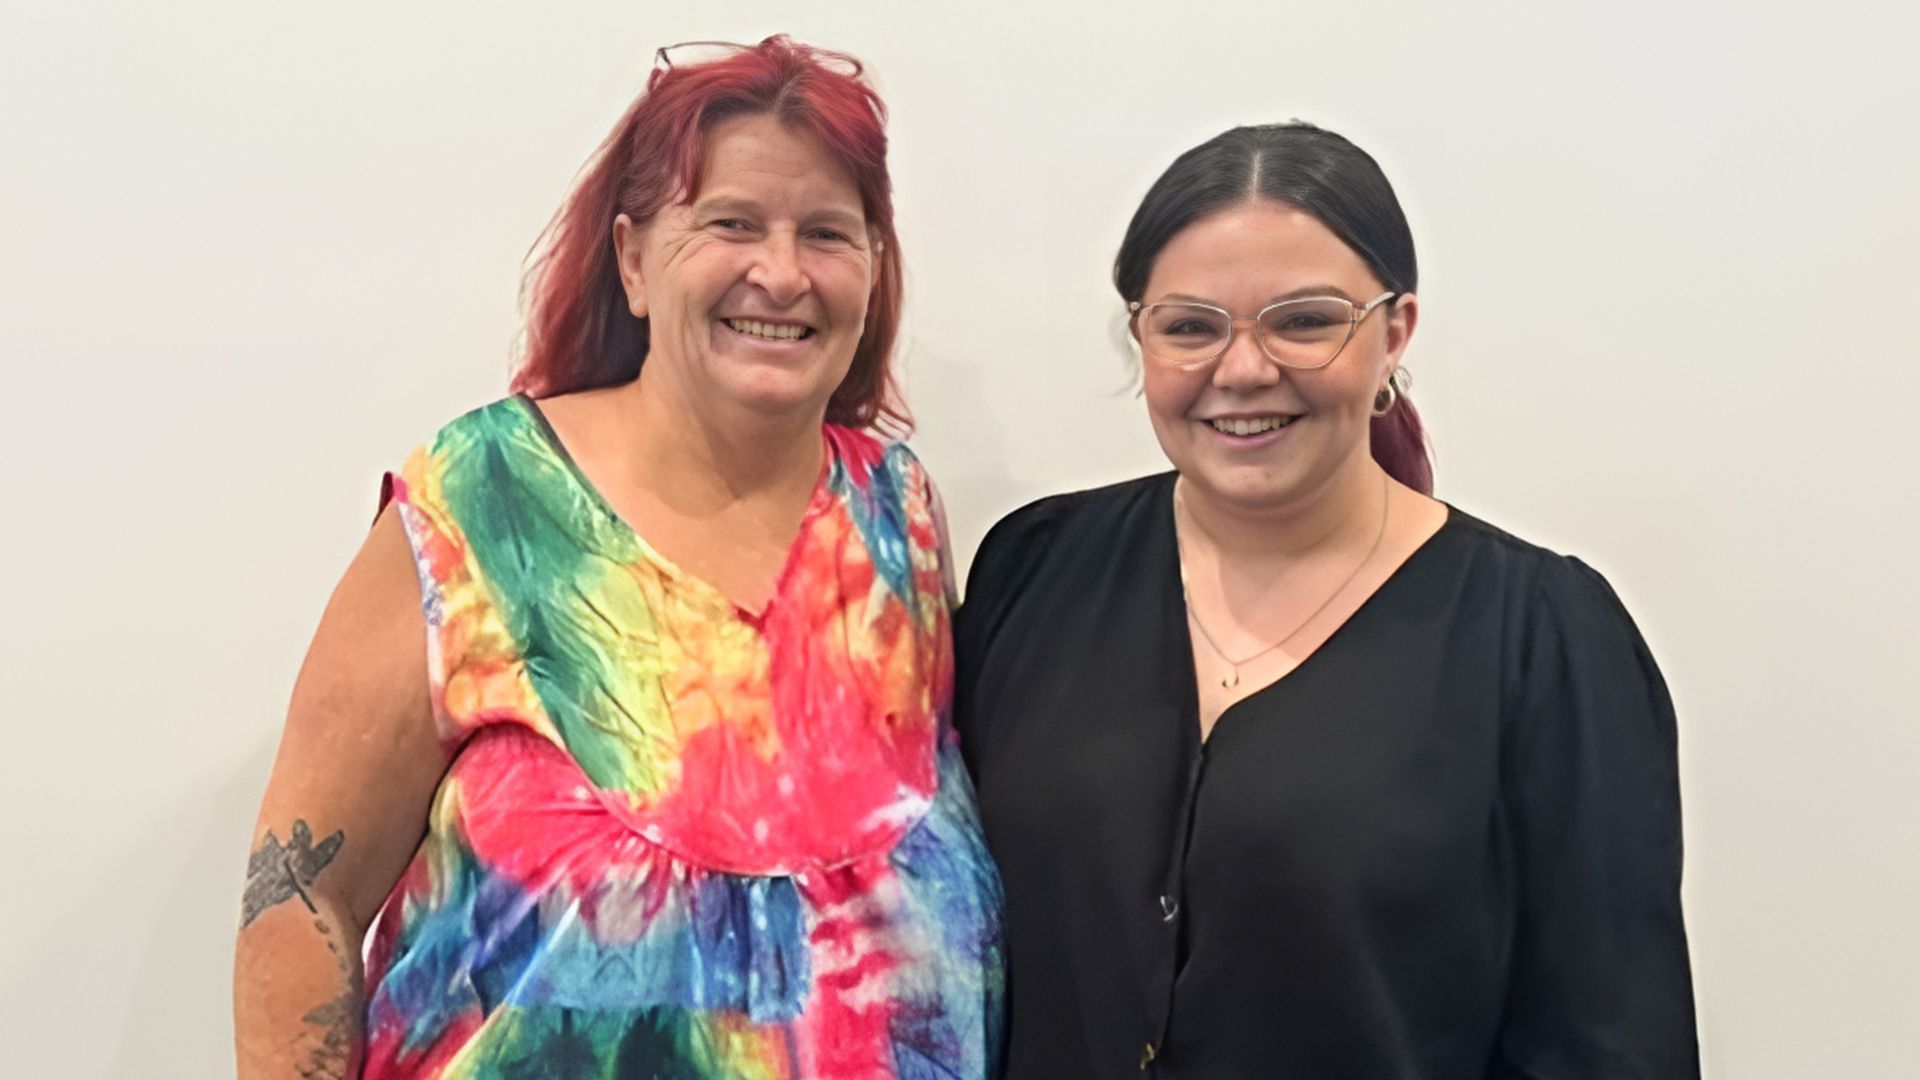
(1228, 682)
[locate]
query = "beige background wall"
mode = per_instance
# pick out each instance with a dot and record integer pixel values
(251, 252)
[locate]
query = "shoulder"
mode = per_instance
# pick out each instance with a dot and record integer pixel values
(1567, 629)
(506, 417)
(1532, 574)
(860, 452)
(886, 468)
(452, 446)
(1047, 524)
(486, 423)
(1067, 540)
(427, 489)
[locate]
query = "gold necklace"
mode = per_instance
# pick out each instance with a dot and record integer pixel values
(1232, 679)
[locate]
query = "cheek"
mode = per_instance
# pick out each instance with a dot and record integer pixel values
(1347, 391)
(843, 289)
(849, 284)
(694, 283)
(1170, 395)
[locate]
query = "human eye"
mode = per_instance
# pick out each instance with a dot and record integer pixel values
(1185, 323)
(1313, 318)
(836, 230)
(1304, 320)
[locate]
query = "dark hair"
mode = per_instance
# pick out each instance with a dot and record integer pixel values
(1321, 173)
(579, 331)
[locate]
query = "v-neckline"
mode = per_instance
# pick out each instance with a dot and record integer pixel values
(817, 503)
(1190, 679)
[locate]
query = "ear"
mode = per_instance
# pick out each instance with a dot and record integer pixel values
(628, 243)
(1403, 314)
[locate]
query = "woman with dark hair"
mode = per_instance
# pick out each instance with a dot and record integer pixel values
(1290, 769)
(671, 788)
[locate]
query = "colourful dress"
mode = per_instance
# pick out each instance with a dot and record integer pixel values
(677, 839)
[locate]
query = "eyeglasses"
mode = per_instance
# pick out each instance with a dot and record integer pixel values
(1303, 334)
(694, 53)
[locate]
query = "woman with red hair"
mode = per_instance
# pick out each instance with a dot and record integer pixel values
(671, 789)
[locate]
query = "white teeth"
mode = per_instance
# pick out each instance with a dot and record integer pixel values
(773, 331)
(1250, 427)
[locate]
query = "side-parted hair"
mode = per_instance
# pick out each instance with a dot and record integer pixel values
(579, 333)
(1321, 173)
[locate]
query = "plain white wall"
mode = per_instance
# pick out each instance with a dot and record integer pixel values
(251, 253)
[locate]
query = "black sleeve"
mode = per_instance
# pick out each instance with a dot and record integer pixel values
(1007, 560)
(1600, 982)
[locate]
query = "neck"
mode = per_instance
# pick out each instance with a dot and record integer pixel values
(703, 457)
(1346, 507)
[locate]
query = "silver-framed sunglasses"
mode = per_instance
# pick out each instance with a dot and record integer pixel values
(1304, 334)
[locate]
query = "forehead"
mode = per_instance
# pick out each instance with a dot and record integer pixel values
(1255, 250)
(759, 158)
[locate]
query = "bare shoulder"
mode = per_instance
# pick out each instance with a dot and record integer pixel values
(370, 644)
(380, 588)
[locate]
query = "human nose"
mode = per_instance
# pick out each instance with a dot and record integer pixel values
(776, 269)
(1244, 365)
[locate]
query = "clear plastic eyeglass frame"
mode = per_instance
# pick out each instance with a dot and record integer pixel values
(695, 53)
(1356, 314)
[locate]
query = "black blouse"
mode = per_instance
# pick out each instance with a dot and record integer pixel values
(1445, 847)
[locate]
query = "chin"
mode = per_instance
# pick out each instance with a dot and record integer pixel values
(1247, 487)
(780, 396)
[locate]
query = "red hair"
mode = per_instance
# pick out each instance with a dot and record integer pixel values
(579, 331)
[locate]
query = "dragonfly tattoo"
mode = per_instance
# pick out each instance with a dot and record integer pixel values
(279, 872)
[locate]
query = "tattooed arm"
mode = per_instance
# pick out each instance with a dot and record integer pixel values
(344, 810)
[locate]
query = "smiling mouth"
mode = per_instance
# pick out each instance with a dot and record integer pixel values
(769, 331)
(1255, 426)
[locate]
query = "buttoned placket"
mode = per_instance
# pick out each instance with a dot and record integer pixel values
(1167, 907)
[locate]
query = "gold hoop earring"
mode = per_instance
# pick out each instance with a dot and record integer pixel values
(1385, 398)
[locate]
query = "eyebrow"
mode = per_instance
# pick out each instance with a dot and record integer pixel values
(1300, 293)
(729, 204)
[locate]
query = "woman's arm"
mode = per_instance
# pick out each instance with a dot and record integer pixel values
(1600, 984)
(344, 810)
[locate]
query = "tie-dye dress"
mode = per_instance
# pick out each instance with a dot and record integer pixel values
(678, 839)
